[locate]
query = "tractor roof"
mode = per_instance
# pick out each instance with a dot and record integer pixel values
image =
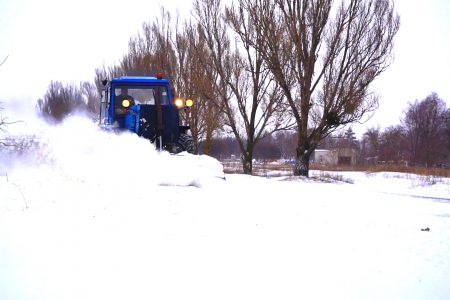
(138, 80)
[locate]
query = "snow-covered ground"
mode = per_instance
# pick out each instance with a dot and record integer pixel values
(86, 214)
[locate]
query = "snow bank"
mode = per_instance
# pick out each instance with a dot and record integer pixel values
(79, 150)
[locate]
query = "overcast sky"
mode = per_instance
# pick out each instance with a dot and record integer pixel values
(66, 40)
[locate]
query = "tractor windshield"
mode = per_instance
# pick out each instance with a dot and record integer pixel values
(144, 94)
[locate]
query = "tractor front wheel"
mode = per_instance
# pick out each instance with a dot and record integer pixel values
(185, 143)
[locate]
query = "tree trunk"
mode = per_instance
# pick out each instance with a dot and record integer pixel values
(247, 164)
(301, 167)
(208, 141)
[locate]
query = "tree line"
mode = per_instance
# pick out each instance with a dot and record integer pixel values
(422, 138)
(257, 68)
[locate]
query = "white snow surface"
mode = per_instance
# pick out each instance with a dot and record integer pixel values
(86, 214)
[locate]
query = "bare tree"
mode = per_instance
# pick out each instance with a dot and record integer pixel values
(371, 141)
(425, 123)
(192, 82)
(152, 50)
(61, 100)
(392, 145)
(325, 57)
(248, 96)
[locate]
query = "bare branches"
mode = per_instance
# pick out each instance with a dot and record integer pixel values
(192, 81)
(1, 64)
(425, 129)
(248, 96)
(324, 58)
(3, 120)
(4, 123)
(61, 100)
(262, 63)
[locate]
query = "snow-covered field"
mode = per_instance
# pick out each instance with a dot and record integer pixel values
(89, 215)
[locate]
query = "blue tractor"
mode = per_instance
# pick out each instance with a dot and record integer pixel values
(145, 106)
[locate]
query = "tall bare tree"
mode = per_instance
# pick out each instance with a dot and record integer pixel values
(152, 49)
(325, 55)
(248, 96)
(192, 82)
(425, 124)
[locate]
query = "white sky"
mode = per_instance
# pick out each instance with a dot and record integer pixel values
(422, 59)
(66, 40)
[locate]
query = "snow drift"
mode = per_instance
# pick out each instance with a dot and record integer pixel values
(79, 149)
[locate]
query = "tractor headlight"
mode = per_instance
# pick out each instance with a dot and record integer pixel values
(179, 102)
(189, 102)
(126, 103)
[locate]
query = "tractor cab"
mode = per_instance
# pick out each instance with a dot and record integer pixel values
(145, 106)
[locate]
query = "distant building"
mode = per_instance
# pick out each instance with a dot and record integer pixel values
(344, 156)
(347, 156)
(325, 157)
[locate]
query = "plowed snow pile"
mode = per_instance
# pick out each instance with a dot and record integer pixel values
(79, 150)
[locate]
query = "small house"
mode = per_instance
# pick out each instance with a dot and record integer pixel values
(343, 156)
